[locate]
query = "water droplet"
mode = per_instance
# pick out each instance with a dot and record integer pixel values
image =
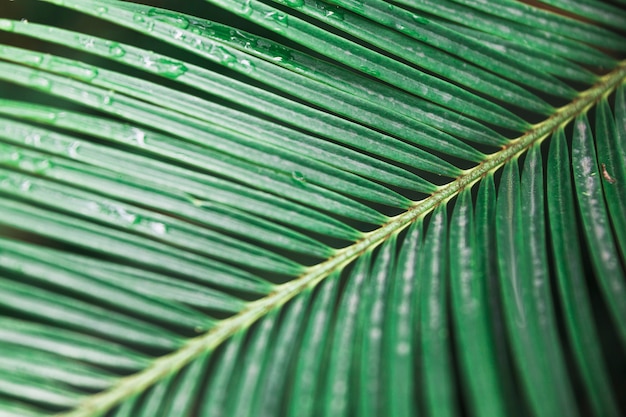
(171, 18)
(27, 57)
(169, 68)
(101, 10)
(147, 61)
(96, 99)
(330, 11)
(138, 136)
(114, 212)
(403, 349)
(224, 56)
(6, 24)
(419, 19)
(13, 156)
(279, 20)
(34, 140)
(87, 42)
(291, 3)
(246, 7)
(246, 66)
(73, 69)
(244, 39)
(375, 333)
(72, 149)
(36, 165)
(177, 34)
(298, 176)
(25, 186)
(158, 228)
(39, 82)
(370, 71)
(280, 54)
(23, 20)
(123, 215)
(116, 51)
(145, 22)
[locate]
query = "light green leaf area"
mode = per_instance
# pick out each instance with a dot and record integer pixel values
(312, 208)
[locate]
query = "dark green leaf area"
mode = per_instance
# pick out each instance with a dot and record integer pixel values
(605, 258)
(386, 69)
(272, 105)
(573, 290)
(534, 35)
(525, 287)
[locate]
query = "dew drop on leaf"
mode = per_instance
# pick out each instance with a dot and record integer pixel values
(72, 150)
(25, 186)
(158, 228)
(138, 136)
(246, 7)
(39, 82)
(147, 23)
(34, 140)
(419, 19)
(86, 41)
(169, 68)
(294, 3)
(6, 24)
(279, 20)
(178, 34)
(36, 165)
(116, 51)
(75, 70)
(330, 11)
(120, 214)
(173, 19)
(224, 56)
(298, 176)
(246, 66)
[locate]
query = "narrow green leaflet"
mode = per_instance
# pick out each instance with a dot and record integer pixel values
(372, 317)
(604, 255)
(198, 133)
(470, 313)
(400, 322)
(435, 347)
(516, 32)
(337, 397)
(525, 289)
(613, 170)
(562, 25)
(424, 30)
(571, 282)
(608, 14)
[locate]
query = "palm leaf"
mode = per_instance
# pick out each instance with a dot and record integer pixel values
(318, 209)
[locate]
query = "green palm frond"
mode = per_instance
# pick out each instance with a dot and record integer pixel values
(309, 208)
